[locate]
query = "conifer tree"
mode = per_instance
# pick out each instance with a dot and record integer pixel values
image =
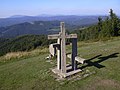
(114, 23)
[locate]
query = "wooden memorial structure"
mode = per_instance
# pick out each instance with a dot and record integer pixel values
(60, 49)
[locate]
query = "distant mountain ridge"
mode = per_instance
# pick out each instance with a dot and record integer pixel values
(16, 16)
(70, 19)
(42, 25)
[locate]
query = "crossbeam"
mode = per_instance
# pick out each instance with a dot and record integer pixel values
(56, 36)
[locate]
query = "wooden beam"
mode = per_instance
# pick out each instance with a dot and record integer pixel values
(56, 36)
(59, 54)
(79, 59)
(71, 36)
(63, 48)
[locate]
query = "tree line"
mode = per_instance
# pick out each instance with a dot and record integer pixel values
(23, 43)
(104, 29)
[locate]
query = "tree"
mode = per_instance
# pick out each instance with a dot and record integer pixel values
(99, 24)
(114, 23)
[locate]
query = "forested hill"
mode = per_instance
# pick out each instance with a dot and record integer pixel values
(22, 43)
(35, 28)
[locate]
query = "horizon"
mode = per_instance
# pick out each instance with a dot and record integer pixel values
(49, 15)
(51, 7)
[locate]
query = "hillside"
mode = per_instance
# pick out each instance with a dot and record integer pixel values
(34, 73)
(34, 28)
(22, 43)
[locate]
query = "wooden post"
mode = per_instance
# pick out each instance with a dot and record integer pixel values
(63, 48)
(59, 54)
(74, 53)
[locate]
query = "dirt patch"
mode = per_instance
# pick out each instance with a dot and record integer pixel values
(104, 85)
(109, 83)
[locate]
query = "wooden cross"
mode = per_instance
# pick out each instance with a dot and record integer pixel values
(61, 52)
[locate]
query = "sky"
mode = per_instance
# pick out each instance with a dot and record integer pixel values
(57, 7)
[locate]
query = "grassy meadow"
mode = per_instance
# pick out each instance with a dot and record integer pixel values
(31, 71)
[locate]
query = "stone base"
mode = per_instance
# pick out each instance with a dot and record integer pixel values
(64, 75)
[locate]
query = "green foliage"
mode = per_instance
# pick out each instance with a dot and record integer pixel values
(2, 40)
(104, 29)
(115, 21)
(23, 43)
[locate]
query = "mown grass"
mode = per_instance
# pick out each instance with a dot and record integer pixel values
(34, 72)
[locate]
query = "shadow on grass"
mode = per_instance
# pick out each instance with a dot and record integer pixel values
(97, 63)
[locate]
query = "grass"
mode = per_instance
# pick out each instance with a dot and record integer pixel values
(15, 56)
(33, 72)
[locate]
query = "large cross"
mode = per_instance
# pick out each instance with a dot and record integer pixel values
(61, 51)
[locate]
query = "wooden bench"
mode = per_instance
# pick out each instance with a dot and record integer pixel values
(79, 59)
